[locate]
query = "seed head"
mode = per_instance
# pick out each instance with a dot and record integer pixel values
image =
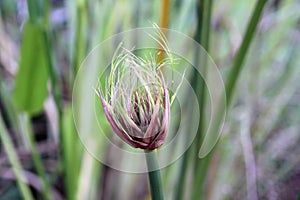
(136, 100)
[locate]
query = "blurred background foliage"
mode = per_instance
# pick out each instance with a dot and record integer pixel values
(42, 44)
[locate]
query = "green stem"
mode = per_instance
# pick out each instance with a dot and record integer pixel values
(37, 160)
(202, 165)
(204, 41)
(54, 79)
(57, 96)
(201, 36)
(200, 175)
(80, 37)
(184, 162)
(13, 159)
(242, 52)
(35, 11)
(154, 176)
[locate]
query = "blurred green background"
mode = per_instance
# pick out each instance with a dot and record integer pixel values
(255, 44)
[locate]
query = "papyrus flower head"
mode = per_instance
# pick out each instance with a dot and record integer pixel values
(136, 99)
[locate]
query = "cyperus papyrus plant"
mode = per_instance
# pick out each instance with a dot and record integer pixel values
(136, 102)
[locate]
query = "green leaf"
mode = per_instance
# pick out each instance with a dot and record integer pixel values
(31, 80)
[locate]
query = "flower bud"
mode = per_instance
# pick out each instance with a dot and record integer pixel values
(136, 101)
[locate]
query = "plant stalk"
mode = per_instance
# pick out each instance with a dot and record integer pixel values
(204, 41)
(80, 37)
(165, 13)
(202, 165)
(14, 161)
(164, 21)
(201, 36)
(242, 52)
(37, 161)
(154, 176)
